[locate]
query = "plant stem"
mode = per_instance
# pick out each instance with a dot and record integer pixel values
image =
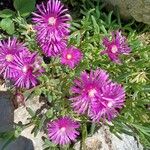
(84, 136)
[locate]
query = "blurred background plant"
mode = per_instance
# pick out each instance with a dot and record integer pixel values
(89, 25)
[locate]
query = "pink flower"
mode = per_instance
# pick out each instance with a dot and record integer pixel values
(63, 130)
(88, 88)
(52, 26)
(8, 49)
(71, 57)
(26, 69)
(116, 47)
(52, 47)
(109, 103)
(97, 96)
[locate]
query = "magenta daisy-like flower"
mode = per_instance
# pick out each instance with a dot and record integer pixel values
(63, 130)
(87, 88)
(71, 57)
(26, 70)
(115, 47)
(52, 19)
(109, 103)
(52, 47)
(52, 26)
(8, 49)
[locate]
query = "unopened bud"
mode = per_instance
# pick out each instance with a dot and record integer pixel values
(18, 100)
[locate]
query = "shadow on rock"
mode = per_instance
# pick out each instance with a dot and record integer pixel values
(6, 125)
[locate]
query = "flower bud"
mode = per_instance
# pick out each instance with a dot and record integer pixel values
(18, 100)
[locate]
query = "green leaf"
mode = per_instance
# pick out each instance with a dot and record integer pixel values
(30, 111)
(110, 17)
(6, 13)
(96, 27)
(49, 113)
(7, 25)
(48, 143)
(41, 123)
(143, 129)
(78, 38)
(8, 137)
(92, 128)
(102, 27)
(25, 7)
(49, 98)
(35, 131)
(76, 25)
(18, 131)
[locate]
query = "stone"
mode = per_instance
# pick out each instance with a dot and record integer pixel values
(21, 115)
(7, 122)
(138, 9)
(26, 141)
(21, 143)
(103, 139)
(6, 112)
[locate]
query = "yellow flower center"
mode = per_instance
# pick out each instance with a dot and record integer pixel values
(114, 49)
(9, 57)
(52, 21)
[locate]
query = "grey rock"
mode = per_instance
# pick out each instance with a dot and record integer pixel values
(8, 116)
(6, 112)
(103, 139)
(20, 143)
(138, 9)
(6, 125)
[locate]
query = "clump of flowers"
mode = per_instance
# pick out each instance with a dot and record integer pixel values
(109, 103)
(26, 72)
(19, 64)
(116, 46)
(8, 50)
(86, 88)
(71, 56)
(93, 96)
(97, 96)
(63, 130)
(52, 27)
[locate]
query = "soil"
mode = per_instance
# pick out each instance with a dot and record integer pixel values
(8, 5)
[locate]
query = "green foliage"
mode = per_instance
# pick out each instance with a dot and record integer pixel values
(6, 13)
(7, 25)
(25, 7)
(8, 137)
(49, 145)
(133, 73)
